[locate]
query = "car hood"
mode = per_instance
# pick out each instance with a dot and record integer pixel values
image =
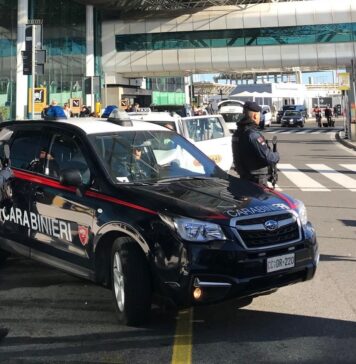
(213, 199)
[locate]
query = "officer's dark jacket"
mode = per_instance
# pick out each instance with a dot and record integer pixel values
(250, 150)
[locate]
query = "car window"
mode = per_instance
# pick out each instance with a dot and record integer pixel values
(65, 153)
(204, 128)
(292, 113)
(25, 150)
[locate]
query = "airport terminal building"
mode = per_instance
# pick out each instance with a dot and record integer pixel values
(119, 52)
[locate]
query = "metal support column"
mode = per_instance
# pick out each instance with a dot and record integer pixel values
(21, 80)
(89, 70)
(353, 101)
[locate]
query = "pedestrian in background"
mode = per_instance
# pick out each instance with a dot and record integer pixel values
(44, 111)
(84, 112)
(252, 156)
(67, 110)
(55, 111)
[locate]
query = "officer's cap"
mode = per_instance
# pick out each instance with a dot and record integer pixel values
(252, 106)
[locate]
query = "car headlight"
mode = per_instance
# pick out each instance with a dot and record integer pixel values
(194, 230)
(302, 212)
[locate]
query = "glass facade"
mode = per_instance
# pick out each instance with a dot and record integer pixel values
(8, 38)
(166, 90)
(321, 33)
(64, 39)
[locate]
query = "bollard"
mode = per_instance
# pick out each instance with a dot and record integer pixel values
(98, 108)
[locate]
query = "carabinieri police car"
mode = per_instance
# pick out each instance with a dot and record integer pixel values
(136, 207)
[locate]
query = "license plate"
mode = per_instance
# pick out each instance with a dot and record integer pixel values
(291, 122)
(280, 262)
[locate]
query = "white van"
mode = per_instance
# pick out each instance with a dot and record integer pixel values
(208, 132)
(231, 111)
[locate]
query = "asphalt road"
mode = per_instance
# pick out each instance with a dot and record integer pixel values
(55, 318)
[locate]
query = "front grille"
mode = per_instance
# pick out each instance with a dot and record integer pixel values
(263, 219)
(253, 234)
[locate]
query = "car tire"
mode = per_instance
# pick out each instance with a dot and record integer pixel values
(131, 284)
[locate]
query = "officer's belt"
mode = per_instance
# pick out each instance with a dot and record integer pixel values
(260, 171)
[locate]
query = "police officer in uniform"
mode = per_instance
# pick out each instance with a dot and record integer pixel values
(253, 158)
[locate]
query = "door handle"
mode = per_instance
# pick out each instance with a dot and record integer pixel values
(39, 193)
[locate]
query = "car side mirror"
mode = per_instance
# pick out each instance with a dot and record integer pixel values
(70, 177)
(264, 112)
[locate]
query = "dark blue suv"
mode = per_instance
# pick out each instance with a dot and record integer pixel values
(138, 208)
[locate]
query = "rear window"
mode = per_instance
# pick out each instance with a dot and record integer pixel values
(25, 148)
(204, 128)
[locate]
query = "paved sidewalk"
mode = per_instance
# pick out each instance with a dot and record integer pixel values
(340, 137)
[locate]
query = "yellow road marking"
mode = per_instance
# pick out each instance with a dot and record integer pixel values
(182, 348)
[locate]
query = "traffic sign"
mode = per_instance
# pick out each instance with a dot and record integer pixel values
(27, 62)
(40, 97)
(39, 69)
(40, 59)
(40, 56)
(75, 105)
(344, 81)
(29, 31)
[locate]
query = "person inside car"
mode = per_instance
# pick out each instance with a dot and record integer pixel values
(45, 163)
(141, 166)
(251, 153)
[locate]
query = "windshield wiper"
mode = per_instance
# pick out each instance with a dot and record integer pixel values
(184, 178)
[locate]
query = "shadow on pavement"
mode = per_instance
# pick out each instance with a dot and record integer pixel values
(336, 258)
(243, 335)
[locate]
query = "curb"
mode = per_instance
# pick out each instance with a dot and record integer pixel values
(345, 142)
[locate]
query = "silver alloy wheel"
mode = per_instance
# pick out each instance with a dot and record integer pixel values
(118, 277)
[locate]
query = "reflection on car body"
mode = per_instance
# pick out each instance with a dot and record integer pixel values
(175, 226)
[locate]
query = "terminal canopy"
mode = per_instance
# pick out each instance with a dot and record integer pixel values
(125, 6)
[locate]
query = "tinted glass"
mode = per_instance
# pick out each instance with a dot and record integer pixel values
(66, 154)
(25, 150)
(305, 34)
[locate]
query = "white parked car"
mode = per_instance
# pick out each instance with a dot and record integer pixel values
(208, 132)
(266, 111)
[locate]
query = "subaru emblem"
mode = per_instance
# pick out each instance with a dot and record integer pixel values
(271, 225)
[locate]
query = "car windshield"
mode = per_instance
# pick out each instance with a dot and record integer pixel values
(152, 156)
(292, 113)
